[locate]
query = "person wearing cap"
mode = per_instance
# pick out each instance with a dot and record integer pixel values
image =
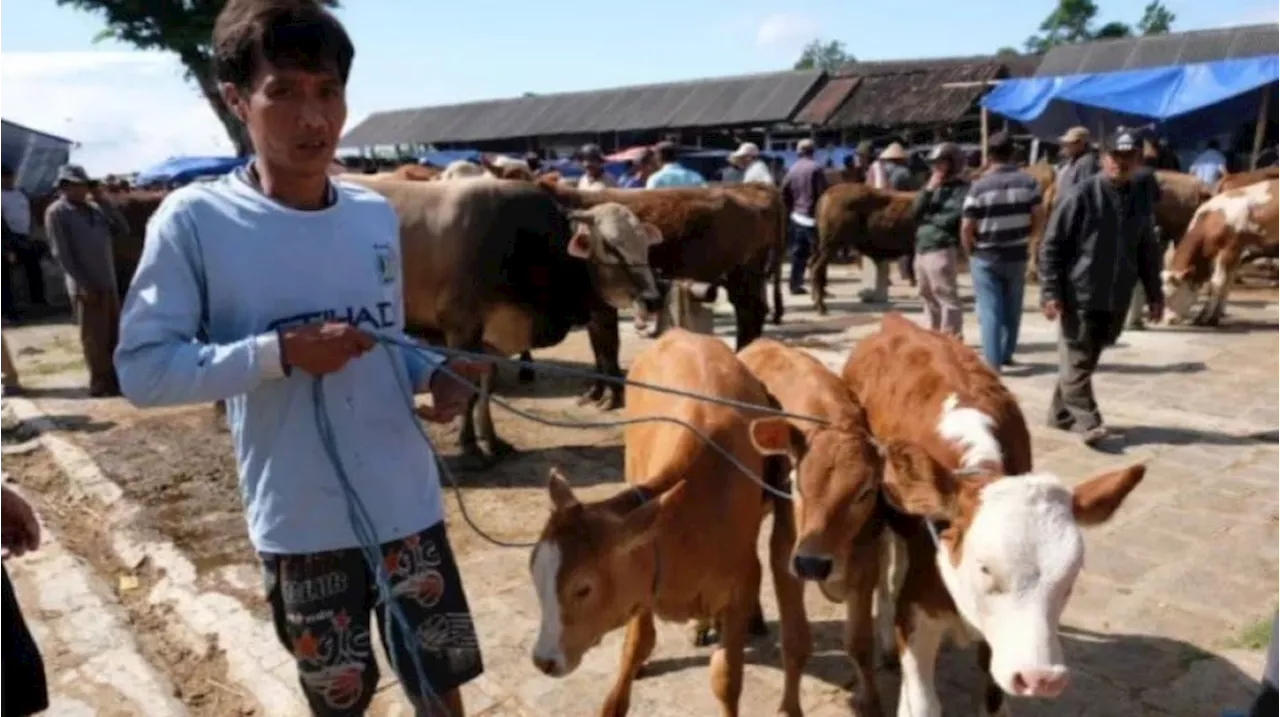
(1078, 163)
(670, 172)
(1001, 213)
(80, 225)
(20, 248)
(1210, 165)
(1098, 244)
(802, 187)
(754, 169)
(594, 177)
(938, 209)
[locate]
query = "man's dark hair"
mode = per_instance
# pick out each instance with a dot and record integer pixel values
(1000, 147)
(666, 152)
(294, 34)
(1213, 144)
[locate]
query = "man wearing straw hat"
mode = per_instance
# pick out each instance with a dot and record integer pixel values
(890, 172)
(1079, 162)
(747, 158)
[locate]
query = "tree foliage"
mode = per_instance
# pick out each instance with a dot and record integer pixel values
(1073, 21)
(826, 56)
(183, 27)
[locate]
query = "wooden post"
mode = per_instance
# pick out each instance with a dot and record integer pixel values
(986, 121)
(1260, 131)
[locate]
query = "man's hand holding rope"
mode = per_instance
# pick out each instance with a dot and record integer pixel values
(449, 396)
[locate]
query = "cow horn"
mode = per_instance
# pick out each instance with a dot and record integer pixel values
(582, 215)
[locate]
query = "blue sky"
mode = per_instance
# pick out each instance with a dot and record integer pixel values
(129, 109)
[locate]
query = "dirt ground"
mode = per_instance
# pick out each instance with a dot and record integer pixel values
(177, 464)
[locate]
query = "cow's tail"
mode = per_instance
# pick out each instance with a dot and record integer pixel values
(776, 261)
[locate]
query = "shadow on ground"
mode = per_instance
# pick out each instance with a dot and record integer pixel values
(1028, 369)
(553, 378)
(583, 465)
(1154, 675)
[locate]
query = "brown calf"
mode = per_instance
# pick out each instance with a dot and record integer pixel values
(836, 471)
(680, 542)
(876, 223)
(995, 548)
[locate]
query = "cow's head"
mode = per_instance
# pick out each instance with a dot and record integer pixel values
(1179, 294)
(1009, 551)
(592, 568)
(616, 244)
(835, 480)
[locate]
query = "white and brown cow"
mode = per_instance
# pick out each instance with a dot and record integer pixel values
(994, 547)
(680, 542)
(1222, 231)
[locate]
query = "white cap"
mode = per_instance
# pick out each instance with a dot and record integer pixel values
(746, 149)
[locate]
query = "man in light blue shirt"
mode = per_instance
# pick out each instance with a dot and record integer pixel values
(1210, 165)
(672, 173)
(248, 289)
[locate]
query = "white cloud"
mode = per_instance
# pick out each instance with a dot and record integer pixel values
(785, 29)
(127, 110)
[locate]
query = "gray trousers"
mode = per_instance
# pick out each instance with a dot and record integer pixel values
(1081, 339)
(936, 277)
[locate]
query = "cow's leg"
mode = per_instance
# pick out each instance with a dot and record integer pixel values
(472, 457)
(728, 659)
(920, 637)
(602, 330)
(526, 374)
(862, 575)
(819, 277)
(635, 651)
(797, 642)
(776, 278)
(488, 435)
(1224, 271)
(879, 293)
(993, 702)
(746, 293)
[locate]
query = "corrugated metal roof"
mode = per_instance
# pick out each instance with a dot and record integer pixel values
(1179, 48)
(827, 101)
(749, 99)
(906, 93)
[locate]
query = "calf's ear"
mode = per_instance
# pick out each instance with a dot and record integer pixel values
(640, 527)
(777, 437)
(1097, 499)
(580, 242)
(915, 484)
(650, 233)
(562, 497)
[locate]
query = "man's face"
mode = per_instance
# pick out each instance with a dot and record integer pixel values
(1074, 148)
(592, 165)
(294, 116)
(73, 191)
(1120, 165)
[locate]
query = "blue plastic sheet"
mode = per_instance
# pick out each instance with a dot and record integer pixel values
(1183, 102)
(443, 157)
(185, 169)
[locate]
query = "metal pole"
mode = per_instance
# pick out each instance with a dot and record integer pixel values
(1260, 130)
(985, 120)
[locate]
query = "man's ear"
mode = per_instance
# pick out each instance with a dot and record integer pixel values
(916, 484)
(232, 98)
(640, 527)
(1097, 499)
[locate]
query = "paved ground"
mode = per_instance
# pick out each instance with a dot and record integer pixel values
(1162, 622)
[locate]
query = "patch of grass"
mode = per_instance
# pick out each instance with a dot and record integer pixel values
(1254, 637)
(52, 368)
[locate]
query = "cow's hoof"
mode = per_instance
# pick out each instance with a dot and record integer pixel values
(609, 402)
(703, 634)
(526, 375)
(592, 395)
(499, 448)
(777, 319)
(821, 310)
(758, 627)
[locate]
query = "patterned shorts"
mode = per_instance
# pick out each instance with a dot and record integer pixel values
(321, 605)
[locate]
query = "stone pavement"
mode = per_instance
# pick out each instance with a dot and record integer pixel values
(1187, 565)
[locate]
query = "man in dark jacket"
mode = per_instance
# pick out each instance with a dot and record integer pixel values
(1098, 244)
(801, 188)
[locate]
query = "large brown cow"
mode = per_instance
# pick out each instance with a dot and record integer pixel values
(1218, 236)
(495, 264)
(680, 542)
(877, 223)
(1244, 179)
(728, 235)
(836, 471)
(994, 547)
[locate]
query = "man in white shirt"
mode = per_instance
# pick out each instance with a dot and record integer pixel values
(1210, 165)
(747, 158)
(20, 250)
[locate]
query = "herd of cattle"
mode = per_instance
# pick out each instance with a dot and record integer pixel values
(496, 259)
(914, 501)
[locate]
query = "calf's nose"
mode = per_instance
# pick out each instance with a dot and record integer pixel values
(1040, 683)
(546, 666)
(812, 567)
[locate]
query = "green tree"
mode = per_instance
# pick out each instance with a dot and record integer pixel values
(182, 27)
(828, 56)
(1113, 30)
(1007, 51)
(1156, 19)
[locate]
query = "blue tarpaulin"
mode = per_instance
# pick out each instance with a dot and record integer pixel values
(185, 169)
(1184, 102)
(443, 157)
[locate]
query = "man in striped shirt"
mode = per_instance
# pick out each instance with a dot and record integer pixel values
(1001, 212)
